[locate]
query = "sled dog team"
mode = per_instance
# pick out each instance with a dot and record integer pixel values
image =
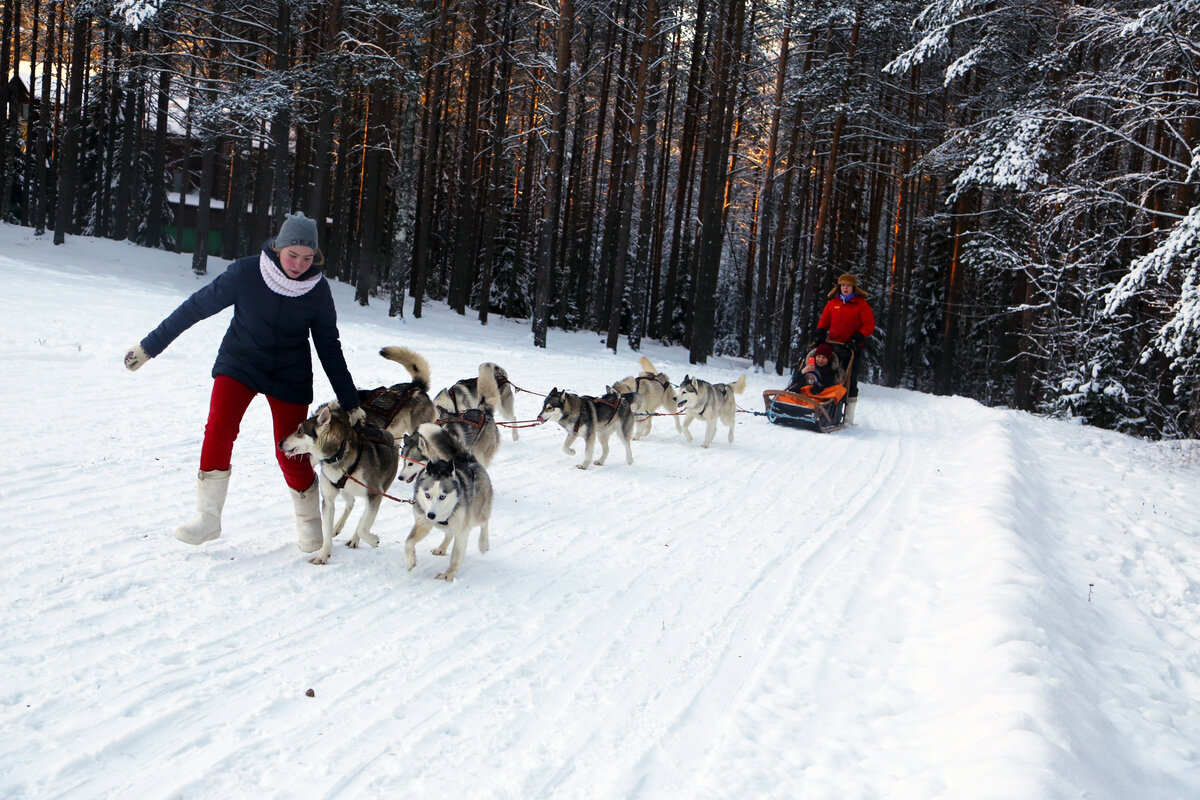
(355, 444)
(443, 446)
(282, 303)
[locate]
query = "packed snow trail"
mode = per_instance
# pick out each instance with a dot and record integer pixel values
(944, 601)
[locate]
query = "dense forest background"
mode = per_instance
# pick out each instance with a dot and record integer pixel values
(1014, 182)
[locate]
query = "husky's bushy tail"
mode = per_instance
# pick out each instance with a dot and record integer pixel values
(414, 362)
(489, 388)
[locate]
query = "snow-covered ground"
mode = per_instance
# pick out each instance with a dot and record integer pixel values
(945, 601)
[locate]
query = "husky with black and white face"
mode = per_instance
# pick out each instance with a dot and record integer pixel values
(357, 462)
(592, 419)
(455, 495)
(699, 399)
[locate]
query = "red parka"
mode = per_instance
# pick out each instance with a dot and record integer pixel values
(844, 318)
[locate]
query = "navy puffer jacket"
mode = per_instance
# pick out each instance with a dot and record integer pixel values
(266, 346)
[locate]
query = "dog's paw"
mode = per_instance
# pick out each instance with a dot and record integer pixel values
(371, 539)
(569, 451)
(438, 551)
(584, 465)
(409, 562)
(445, 576)
(319, 558)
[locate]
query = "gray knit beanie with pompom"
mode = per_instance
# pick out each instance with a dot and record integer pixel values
(297, 230)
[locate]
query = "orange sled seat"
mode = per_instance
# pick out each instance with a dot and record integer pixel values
(823, 411)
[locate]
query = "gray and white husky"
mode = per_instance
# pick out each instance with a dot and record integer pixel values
(710, 402)
(591, 418)
(357, 462)
(650, 390)
(456, 495)
(474, 431)
(469, 393)
(401, 407)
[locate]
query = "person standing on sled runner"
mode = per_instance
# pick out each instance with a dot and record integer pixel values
(280, 297)
(846, 322)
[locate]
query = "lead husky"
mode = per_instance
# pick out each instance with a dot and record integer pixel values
(341, 452)
(467, 393)
(455, 494)
(592, 418)
(709, 402)
(650, 390)
(401, 407)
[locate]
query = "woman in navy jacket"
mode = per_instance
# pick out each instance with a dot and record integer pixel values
(280, 298)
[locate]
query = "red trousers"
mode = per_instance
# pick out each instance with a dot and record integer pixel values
(230, 399)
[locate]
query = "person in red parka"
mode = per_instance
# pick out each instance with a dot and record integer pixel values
(846, 322)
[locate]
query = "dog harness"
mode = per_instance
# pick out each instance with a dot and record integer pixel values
(475, 417)
(657, 379)
(387, 402)
(614, 405)
(365, 432)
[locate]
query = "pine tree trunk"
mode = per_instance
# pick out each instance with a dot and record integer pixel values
(687, 162)
(65, 221)
(547, 242)
(495, 181)
(645, 262)
(204, 204)
(10, 53)
(466, 231)
(125, 160)
(430, 154)
(766, 223)
(42, 200)
(281, 157)
(629, 173)
(713, 185)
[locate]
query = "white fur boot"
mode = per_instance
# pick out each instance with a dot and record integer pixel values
(210, 499)
(850, 404)
(308, 517)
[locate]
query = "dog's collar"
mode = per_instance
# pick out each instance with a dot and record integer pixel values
(335, 460)
(336, 457)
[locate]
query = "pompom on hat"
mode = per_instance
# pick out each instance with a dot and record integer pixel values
(298, 230)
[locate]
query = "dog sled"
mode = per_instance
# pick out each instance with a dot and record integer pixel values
(823, 411)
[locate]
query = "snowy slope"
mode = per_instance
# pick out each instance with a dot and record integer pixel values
(945, 601)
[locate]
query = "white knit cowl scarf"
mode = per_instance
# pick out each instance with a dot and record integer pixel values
(280, 283)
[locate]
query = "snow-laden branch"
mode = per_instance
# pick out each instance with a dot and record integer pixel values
(136, 12)
(1179, 252)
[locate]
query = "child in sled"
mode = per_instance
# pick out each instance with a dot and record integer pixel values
(821, 370)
